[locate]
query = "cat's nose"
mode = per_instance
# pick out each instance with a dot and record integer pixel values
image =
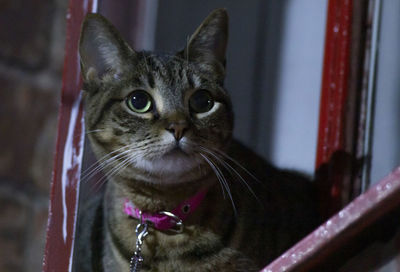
(177, 128)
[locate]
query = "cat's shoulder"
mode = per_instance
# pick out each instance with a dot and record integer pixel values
(274, 180)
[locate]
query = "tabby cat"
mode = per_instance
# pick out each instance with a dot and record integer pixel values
(161, 128)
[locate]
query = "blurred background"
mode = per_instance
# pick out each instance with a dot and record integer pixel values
(274, 67)
(32, 35)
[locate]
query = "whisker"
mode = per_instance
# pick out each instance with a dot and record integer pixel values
(100, 165)
(98, 161)
(221, 178)
(112, 172)
(122, 165)
(231, 169)
(216, 173)
(119, 167)
(237, 164)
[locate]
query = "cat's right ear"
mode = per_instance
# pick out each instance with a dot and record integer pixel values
(210, 38)
(102, 49)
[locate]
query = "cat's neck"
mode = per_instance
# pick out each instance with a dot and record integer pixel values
(151, 197)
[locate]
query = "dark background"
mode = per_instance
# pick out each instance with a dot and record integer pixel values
(32, 35)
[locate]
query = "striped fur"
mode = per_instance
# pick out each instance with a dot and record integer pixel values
(252, 211)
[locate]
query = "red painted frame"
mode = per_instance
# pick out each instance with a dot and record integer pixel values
(334, 95)
(68, 157)
(314, 249)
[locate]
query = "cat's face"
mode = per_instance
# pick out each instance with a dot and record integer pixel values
(159, 115)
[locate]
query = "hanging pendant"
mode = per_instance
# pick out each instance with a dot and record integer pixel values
(137, 258)
(136, 262)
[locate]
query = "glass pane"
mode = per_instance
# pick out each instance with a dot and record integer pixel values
(386, 144)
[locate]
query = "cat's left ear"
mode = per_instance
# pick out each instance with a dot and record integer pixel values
(102, 49)
(210, 38)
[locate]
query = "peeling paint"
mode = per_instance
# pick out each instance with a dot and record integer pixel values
(72, 158)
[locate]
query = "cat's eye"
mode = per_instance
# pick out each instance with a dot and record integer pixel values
(201, 101)
(139, 101)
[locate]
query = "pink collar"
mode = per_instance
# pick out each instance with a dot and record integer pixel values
(167, 220)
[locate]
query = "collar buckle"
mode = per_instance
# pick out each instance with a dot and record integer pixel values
(175, 220)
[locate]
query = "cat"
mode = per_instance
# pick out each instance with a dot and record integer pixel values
(161, 127)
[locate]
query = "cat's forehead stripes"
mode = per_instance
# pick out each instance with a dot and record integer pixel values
(171, 70)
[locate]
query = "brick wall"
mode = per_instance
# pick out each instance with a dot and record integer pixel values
(31, 57)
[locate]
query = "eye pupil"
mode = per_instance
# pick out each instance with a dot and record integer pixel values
(201, 101)
(139, 101)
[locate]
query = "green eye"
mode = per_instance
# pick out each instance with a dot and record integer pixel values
(139, 101)
(201, 101)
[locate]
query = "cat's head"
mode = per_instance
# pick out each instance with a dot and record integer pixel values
(158, 116)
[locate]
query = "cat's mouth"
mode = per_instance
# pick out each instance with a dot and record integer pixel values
(176, 151)
(171, 164)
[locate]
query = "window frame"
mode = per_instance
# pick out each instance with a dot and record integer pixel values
(338, 177)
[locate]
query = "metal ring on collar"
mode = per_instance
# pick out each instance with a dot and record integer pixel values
(178, 222)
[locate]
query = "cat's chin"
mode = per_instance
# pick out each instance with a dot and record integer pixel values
(172, 166)
(175, 153)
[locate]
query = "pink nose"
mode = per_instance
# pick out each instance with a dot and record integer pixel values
(177, 129)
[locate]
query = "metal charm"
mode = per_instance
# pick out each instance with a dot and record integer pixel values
(141, 233)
